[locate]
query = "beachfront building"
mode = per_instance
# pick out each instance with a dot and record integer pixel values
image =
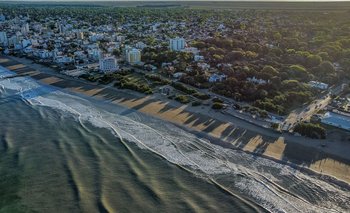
(177, 44)
(133, 56)
(340, 120)
(108, 64)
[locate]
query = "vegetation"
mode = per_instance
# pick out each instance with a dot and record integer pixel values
(196, 103)
(217, 105)
(184, 99)
(158, 79)
(143, 88)
(310, 130)
(183, 88)
(201, 96)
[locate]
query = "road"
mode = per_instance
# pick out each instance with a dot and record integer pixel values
(305, 113)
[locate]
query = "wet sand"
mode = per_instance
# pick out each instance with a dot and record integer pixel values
(333, 160)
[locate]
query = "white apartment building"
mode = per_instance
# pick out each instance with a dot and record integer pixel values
(177, 44)
(108, 64)
(133, 56)
(3, 39)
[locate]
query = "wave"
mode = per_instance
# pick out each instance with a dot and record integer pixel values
(248, 177)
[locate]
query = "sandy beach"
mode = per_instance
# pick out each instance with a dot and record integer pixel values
(228, 131)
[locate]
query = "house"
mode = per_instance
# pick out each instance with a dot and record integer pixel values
(149, 67)
(217, 78)
(178, 74)
(203, 66)
(257, 81)
(198, 58)
(140, 45)
(318, 85)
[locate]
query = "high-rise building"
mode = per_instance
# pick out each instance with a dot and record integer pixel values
(133, 56)
(25, 29)
(3, 39)
(61, 28)
(108, 64)
(177, 44)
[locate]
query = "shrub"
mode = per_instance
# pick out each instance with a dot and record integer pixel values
(182, 99)
(201, 96)
(274, 125)
(183, 88)
(159, 80)
(218, 100)
(125, 84)
(217, 105)
(196, 103)
(310, 130)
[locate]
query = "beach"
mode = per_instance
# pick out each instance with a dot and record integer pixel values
(229, 132)
(97, 148)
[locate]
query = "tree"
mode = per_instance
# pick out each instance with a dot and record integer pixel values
(299, 72)
(313, 60)
(270, 70)
(327, 67)
(116, 52)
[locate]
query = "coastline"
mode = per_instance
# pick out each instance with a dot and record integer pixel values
(333, 160)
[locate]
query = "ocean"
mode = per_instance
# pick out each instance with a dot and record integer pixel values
(63, 152)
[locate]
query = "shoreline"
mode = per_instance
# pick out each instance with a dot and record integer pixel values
(225, 131)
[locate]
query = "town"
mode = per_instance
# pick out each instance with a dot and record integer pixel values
(269, 71)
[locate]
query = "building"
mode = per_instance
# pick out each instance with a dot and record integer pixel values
(338, 120)
(12, 41)
(217, 78)
(257, 80)
(25, 28)
(80, 35)
(108, 64)
(140, 45)
(198, 58)
(26, 43)
(2, 17)
(61, 28)
(3, 39)
(318, 85)
(177, 44)
(133, 56)
(63, 59)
